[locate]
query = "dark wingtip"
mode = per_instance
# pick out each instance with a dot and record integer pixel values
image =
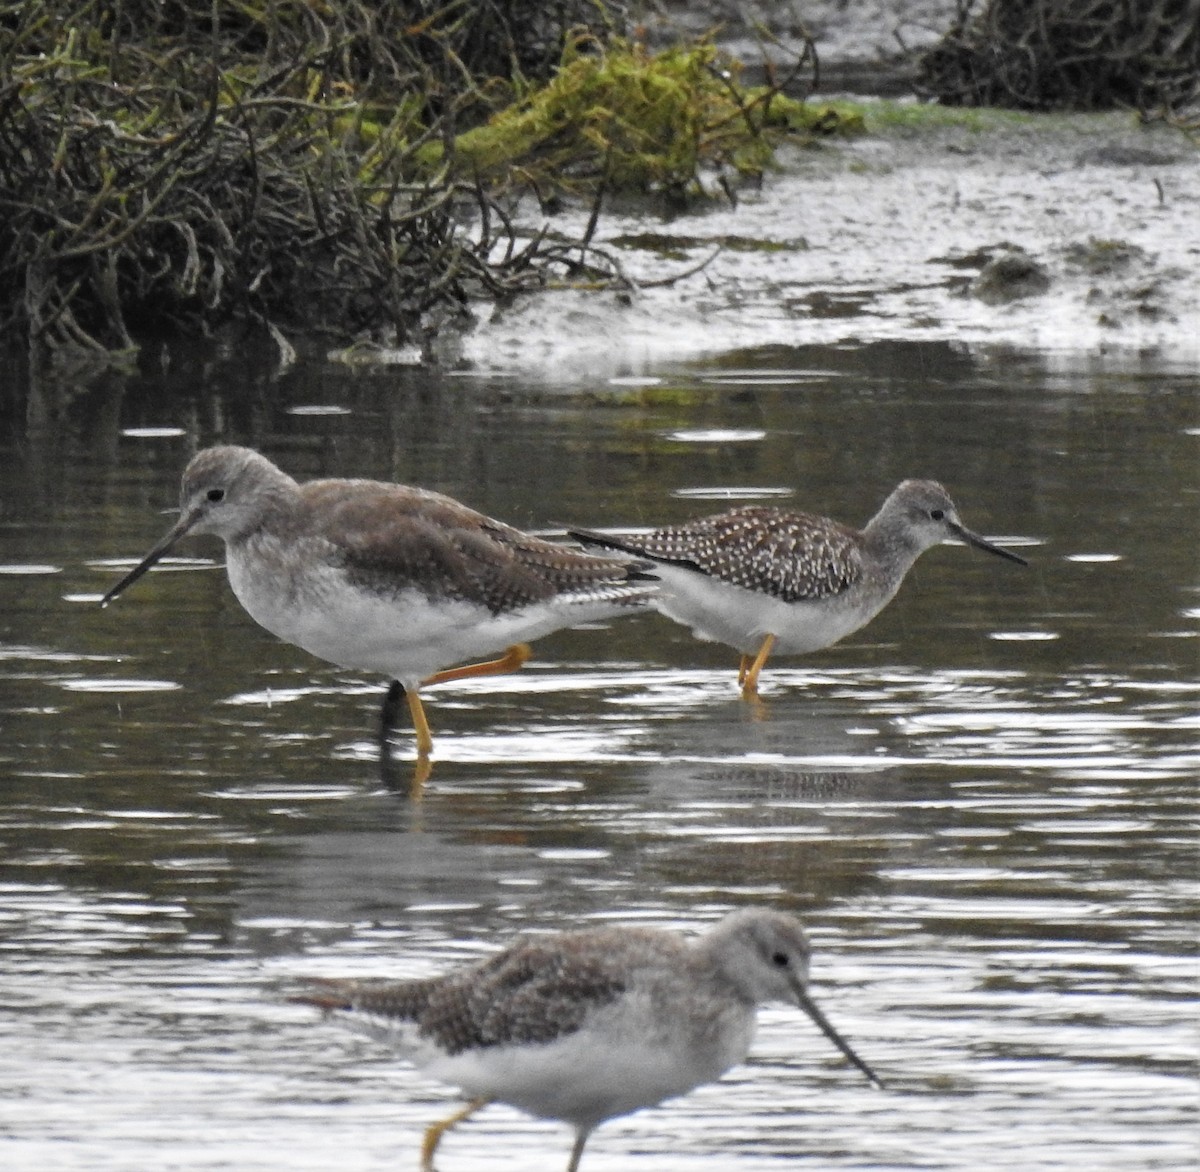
(328, 1001)
(604, 540)
(639, 570)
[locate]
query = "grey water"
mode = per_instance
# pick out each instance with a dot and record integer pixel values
(984, 804)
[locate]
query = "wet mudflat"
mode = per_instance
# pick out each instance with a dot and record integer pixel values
(983, 804)
(902, 234)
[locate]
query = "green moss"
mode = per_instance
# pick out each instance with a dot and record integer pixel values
(883, 115)
(637, 121)
(809, 118)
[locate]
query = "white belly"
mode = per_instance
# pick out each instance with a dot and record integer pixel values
(403, 635)
(590, 1076)
(741, 618)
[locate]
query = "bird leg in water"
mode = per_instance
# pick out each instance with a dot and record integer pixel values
(748, 675)
(435, 1131)
(577, 1150)
(388, 721)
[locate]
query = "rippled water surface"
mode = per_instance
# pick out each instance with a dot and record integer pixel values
(984, 804)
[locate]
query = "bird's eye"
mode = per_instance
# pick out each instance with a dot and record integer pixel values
(780, 959)
(937, 514)
(215, 494)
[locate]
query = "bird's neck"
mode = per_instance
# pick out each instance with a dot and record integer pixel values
(713, 953)
(891, 549)
(281, 512)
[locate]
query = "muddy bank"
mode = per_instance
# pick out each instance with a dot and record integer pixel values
(1052, 232)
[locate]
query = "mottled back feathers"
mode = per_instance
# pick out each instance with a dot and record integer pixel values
(533, 992)
(789, 555)
(396, 537)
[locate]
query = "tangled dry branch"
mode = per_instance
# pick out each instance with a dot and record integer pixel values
(1070, 54)
(178, 163)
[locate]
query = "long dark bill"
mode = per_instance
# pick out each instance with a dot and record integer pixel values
(161, 549)
(981, 543)
(823, 1024)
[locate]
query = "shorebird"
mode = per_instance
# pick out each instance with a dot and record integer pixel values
(387, 578)
(766, 580)
(584, 1026)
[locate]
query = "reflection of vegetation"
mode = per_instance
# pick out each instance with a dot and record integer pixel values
(678, 247)
(167, 163)
(671, 397)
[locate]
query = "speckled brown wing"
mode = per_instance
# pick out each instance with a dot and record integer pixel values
(395, 1002)
(532, 992)
(408, 538)
(792, 556)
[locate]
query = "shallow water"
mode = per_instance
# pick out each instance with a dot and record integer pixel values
(984, 804)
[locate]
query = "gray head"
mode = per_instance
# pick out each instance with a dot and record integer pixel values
(920, 514)
(764, 954)
(225, 492)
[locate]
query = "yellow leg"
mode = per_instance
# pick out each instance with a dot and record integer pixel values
(434, 1133)
(577, 1151)
(511, 660)
(750, 679)
(517, 655)
(420, 724)
(743, 668)
(422, 768)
